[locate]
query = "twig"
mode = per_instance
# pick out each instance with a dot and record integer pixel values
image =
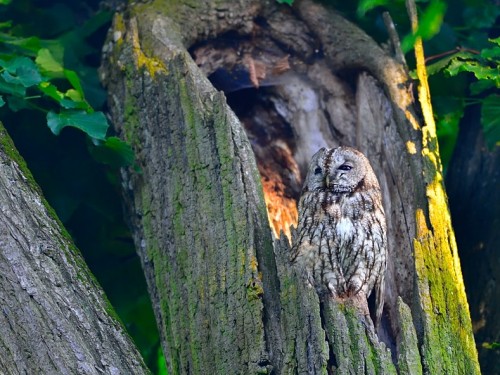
(394, 38)
(451, 52)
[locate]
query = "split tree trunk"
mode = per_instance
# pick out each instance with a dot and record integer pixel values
(226, 299)
(55, 318)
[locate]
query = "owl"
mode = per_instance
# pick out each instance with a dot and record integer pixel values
(340, 242)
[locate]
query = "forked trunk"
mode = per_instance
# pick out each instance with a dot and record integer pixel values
(226, 299)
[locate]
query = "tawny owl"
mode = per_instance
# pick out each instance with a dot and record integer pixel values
(341, 235)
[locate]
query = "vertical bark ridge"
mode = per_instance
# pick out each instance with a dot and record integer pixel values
(199, 212)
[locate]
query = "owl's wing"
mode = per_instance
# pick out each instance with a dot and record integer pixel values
(364, 256)
(298, 236)
(380, 251)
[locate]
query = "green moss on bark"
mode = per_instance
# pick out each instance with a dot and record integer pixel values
(409, 355)
(197, 232)
(448, 346)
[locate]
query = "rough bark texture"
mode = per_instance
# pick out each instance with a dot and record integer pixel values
(225, 301)
(473, 183)
(198, 213)
(55, 317)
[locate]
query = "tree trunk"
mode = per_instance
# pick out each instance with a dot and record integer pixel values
(225, 296)
(473, 185)
(55, 317)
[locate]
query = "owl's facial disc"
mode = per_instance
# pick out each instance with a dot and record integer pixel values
(344, 176)
(337, 186)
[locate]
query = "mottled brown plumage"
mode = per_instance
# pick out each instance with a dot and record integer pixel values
(341, 236)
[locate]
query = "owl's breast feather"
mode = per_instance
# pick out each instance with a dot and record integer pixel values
(345, 229)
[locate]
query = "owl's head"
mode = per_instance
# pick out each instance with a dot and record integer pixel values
(340, 170)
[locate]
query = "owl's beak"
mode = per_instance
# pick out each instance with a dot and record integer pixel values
(327, 181)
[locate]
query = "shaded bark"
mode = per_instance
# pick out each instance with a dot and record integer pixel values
(225, 296)
(55, 317)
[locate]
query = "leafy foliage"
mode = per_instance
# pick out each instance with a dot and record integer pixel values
(485, 66)
(430, 19)
(490, 119)
(49, 54)
(33, 76)
(462, 55)
(491, 345)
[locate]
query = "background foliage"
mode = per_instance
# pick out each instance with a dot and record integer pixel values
(49, 55)
(463, 59)
(52, 106)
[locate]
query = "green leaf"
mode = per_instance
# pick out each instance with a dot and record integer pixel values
(71, 99)
(31, 44)
(443, 63)
(495, 40)
(479, 86)
(491, 345)
(51, 90)
(448, 112)
(94, 124)
(12, 88)
(366, 5)
(161, 363)
(114, 152)
(2, 102)
(71, 104)
(491, 53)
(74, 99)
(5, 2)
(6, 25)
(490, 120)
(429, 24)
(289, 2)
(16, 103)
(23, 71)
(74, 95)
(473, 66)
(73, 78)
(47, 62)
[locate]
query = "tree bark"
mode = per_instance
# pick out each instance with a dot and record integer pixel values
(473, 185)
(55, 317)
(225, 296)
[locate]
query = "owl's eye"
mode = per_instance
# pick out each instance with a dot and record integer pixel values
(345, 167)
(318, 170)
